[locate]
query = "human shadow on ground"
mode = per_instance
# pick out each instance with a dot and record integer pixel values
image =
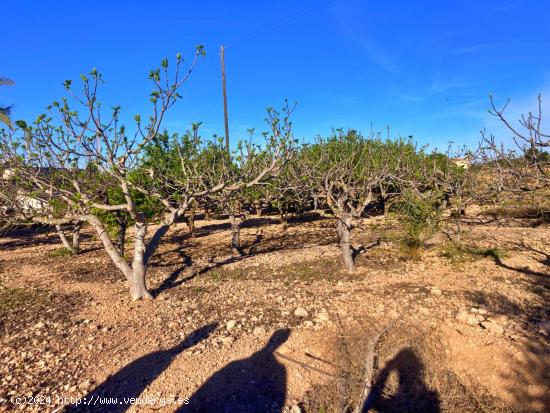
(131, 380)
(251, 385)
(412, 394)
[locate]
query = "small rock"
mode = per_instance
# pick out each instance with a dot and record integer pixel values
(466, 317)
(323, 316)
(393, 314)
(85, 385)
(479, 317)
(499, 319)
(482, 311)
(230, 325)
(173, 325)
(40, 324)
(308, 323)
(492, 327)
(436, 291)
(301, 312)
(227, 340)
(258, 331)
(424, 311)
(295, 409)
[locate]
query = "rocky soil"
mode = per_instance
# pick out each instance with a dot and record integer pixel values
(69, 329)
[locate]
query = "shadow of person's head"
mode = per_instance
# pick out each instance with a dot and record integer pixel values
(277, 340)
(411, 392)
(253, 384)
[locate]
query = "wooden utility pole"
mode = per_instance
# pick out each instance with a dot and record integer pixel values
(222, 56)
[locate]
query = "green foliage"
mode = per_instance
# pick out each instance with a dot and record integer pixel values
(421, 216)
(352, 170)
(59, 252)
(457, 253)
(5, 110)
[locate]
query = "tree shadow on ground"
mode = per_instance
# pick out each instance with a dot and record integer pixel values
(523, 270)
(40, 236)
(131, 380)
(261, 244)
(251, 385)
(527, 379)
(33, 237)
(531, 313)
(544, 257)
(537, 282)
(412, 393)
(171, 281)
(495, 303)
(210, 229)
(530, 371)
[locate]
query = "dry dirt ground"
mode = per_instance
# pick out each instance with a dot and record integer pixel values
(282, 326)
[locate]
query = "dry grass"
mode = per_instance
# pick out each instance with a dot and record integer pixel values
(411, 375)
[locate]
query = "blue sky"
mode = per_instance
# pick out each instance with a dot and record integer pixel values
(425, 68)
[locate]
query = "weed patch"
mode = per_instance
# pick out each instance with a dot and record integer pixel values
(457, 254)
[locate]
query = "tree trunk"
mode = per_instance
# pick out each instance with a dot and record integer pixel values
(135, 274)
(345, 245)
(76, 236)
(138, 288)
(207, 212)
(283, 216)
(315, 203)
(191, 223)
(122, 223)
(386, 204)
(64, 239)
(235, 234)
(110, 248)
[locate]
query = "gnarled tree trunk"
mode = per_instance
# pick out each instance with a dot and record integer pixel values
(344, 227)
(64, 240)
(77, 226)
(138, 289)
(235, 234)
(258, 208)
(135, 273)
(190, 221)
(122, 224)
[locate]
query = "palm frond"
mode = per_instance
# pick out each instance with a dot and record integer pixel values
(6, 82)
(5, 116)
(5, 110)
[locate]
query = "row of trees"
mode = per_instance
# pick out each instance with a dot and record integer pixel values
(78, 163)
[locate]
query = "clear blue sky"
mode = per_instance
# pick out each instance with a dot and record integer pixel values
(424, 67)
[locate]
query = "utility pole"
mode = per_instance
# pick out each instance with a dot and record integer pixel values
(222, 56)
